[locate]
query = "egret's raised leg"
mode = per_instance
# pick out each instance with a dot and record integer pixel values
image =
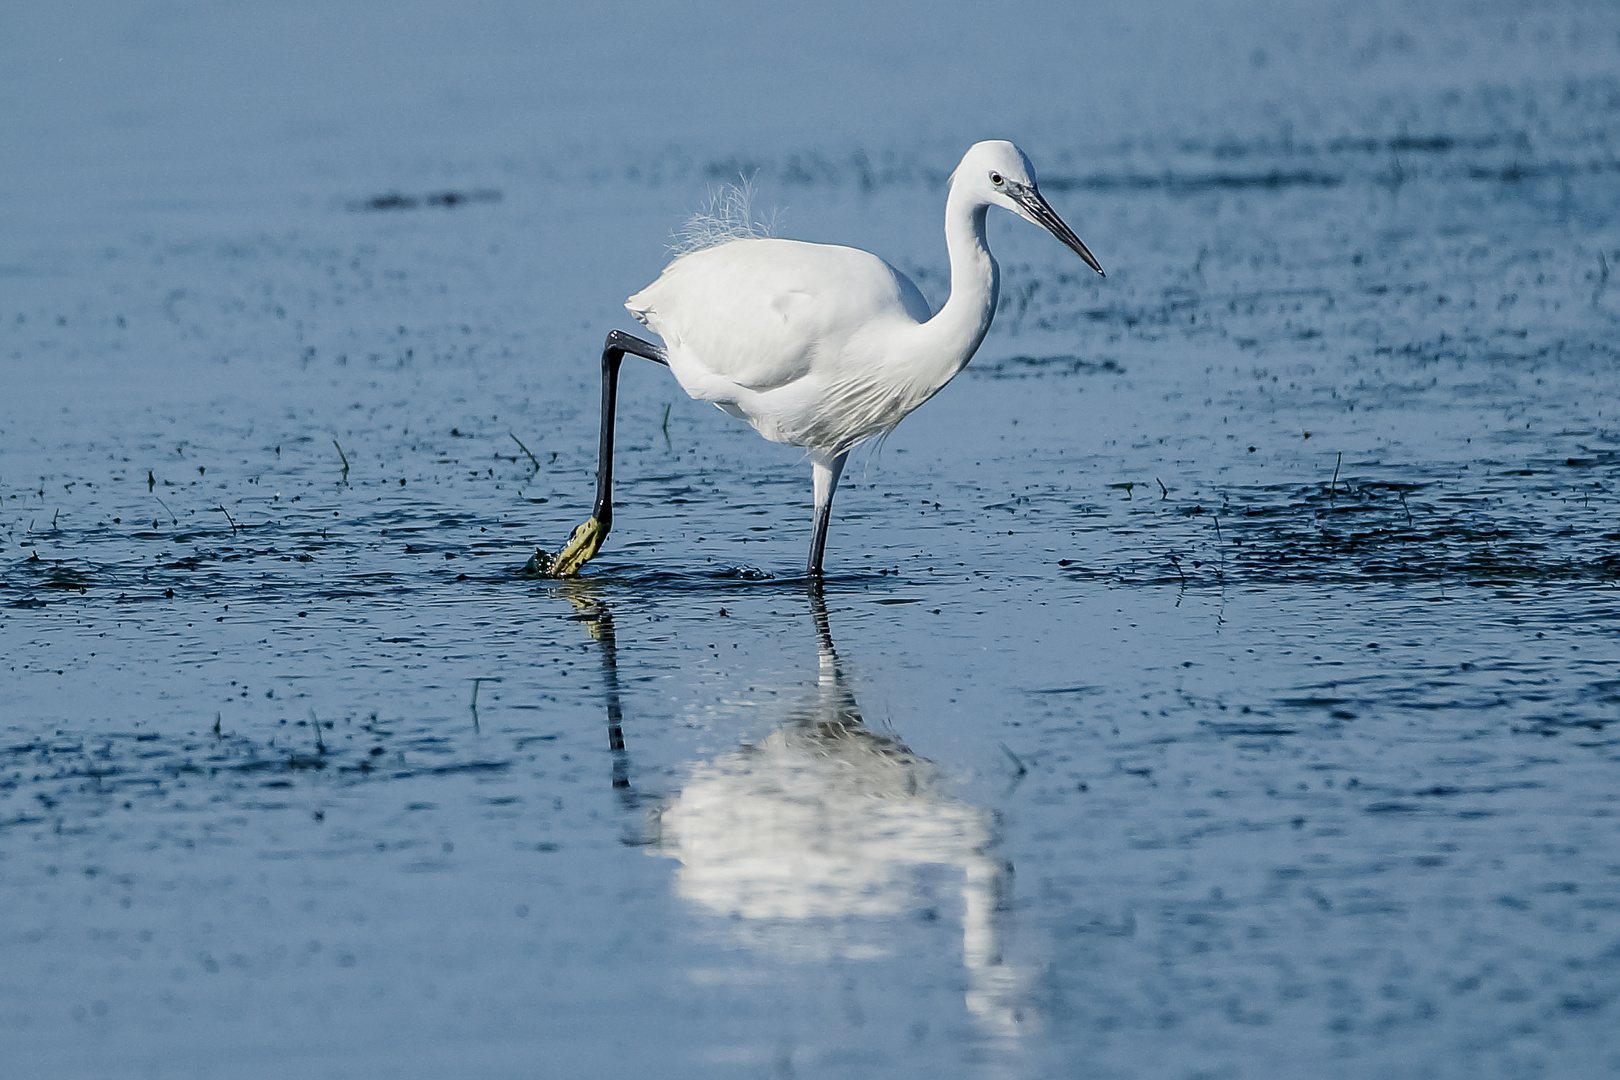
(824, 471)
(587, 539)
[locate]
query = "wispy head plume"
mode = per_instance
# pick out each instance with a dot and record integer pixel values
(727, 214)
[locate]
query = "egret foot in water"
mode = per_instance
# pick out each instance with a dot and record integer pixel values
(581, 548)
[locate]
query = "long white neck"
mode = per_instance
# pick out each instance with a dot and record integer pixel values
(945, 343)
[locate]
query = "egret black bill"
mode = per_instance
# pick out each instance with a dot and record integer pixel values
(1038, 210)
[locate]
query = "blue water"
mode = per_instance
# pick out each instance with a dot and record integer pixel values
(1219, 679)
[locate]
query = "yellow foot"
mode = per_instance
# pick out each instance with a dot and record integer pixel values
(580, 549)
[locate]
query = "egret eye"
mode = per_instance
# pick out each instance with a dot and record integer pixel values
(995, 178)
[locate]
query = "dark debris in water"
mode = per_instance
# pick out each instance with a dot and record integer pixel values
(1184, 184)
(395, 200)
(1025, 367)
(1362, 531)
(88, 774)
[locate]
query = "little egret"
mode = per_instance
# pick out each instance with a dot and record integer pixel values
(817, 345)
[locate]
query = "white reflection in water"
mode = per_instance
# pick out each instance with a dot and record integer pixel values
(813, 840)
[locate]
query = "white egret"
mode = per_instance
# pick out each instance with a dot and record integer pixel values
(818, 345)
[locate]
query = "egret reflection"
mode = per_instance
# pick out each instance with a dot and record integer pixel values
(591, 610)
(813, 842)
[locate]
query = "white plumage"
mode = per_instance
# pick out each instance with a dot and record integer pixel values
(806, 342)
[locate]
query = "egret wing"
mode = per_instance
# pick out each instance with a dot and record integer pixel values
(764, 313)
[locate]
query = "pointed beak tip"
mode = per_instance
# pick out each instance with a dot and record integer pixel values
(1089, 259)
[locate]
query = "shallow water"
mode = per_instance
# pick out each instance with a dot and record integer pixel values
(1218, 679)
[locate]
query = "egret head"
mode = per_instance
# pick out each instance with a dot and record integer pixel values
(997, 173)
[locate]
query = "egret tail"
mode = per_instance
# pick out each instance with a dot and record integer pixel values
(588, 537)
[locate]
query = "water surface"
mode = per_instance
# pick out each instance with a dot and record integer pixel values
(1218, 679)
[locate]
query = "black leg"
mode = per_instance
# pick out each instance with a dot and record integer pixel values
(818, 541)
(587, 539)
(603, 511)
(618, 344)
(825, 472)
